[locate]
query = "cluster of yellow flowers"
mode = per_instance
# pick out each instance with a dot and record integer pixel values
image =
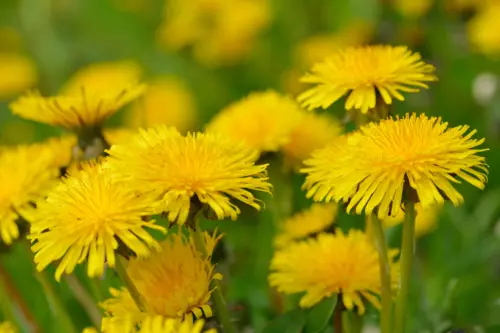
(93, 197)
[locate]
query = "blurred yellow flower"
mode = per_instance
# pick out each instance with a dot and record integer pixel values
(91, 96)
(158, 324)
(173, 283)
(425, 219)
(364, 72)
(199, 166)
(369, 169)
(222, 32)
(7, 327)
(263, 121)
(314, 131)
(26, 173)
(61, 148)
(85, 216)
(90, 330)
(236, 25)
(18, 74)
(483, 30)
(332, 264)
(305, 223)
(116, 136)
(166, 101)
(412, 8)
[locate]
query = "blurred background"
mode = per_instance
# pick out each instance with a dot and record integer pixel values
(200, 55)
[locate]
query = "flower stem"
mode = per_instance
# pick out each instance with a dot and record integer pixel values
(407, 251)
(132, 289)
(385, 275)
(60, 311)
(337, 321)
(219, 301)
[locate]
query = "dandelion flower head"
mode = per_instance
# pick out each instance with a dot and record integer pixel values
(18, 74)
(369, 169)
(305, 223)
(314, 131)
(26, 173)
(166, 101)
(483, 29)
(173, 283)
(199, 166)
(364, 72)
(159, 324)
(331, 264)
(85, 217)
(90, 97)
(263, 120)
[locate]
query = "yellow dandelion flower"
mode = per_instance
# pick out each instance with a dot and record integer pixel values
(425, 219)
(483, 30)
(173, 283)
(330, 264)
(203, 166)
(231, 37)
(90, 97)
(362, 73)
(370, 168)
(7, 327)
(166, 101)
(314, 131)
(61, 149)
(18, 74)
(159, 324)
(114, 136)
(310, 221)
(26, 173)
(263, 120)
(85, 217)
(413, 9)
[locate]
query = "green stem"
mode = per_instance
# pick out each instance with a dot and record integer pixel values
(407, 252)
(6, 305)
(121, 270)
(60, 310)
(95, 289)
(353, 323)
(219, 301)
(385, 275)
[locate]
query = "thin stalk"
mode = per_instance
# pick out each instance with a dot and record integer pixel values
(58, 307)
(6, 305)
(407, 252)
(337, 321)
(95, 289)
(219, 301)
(85, 299)
(132, 289)
(385, 275)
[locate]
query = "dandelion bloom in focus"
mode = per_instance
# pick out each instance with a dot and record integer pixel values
(199, 166)
(173, 283)
(369, 169)
(332, 264)
(483, 30)
(263, 121)
(26, 173)
(305, 223)
(166, 101)
(85, 217)
(425, 219)
(18, 74)
(90, 97)
(314, 131)
(362, 73)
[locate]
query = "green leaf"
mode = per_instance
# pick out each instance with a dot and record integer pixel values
(319, 316)
(290, 322)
